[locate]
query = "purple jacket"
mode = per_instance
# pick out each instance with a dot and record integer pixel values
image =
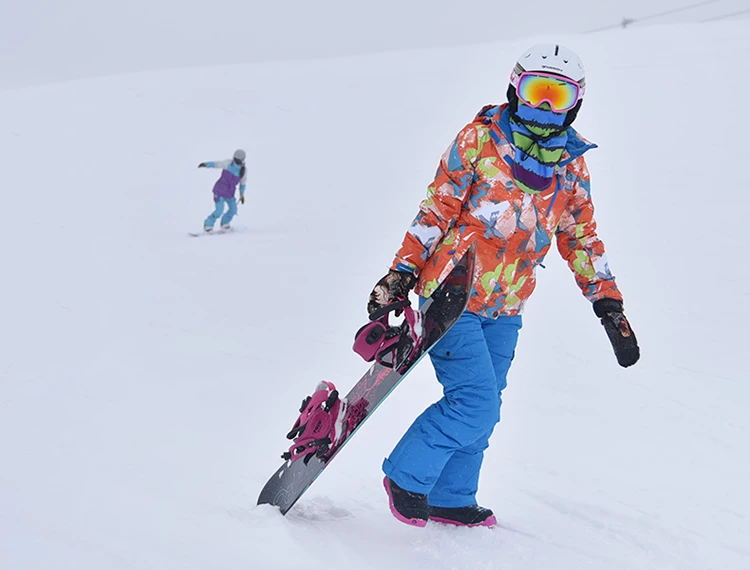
(231, 175)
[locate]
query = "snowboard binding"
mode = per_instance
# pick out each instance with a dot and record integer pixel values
(391, 346)
(319, 426)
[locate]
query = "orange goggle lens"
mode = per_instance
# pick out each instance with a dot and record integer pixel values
(537, 88)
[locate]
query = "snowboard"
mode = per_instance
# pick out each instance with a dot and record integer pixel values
(212, 233)
(437, 314)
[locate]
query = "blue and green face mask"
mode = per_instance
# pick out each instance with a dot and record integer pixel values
(539, 137)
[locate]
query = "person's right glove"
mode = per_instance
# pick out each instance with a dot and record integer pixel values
(391, 288)
(618, 330)
(202, 165)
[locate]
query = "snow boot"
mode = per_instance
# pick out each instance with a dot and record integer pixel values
(208, 229)
(463, 516)
(409, 508)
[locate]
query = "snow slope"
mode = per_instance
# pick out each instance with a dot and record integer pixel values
(147, 379)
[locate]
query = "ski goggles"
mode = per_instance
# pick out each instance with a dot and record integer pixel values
(534, 88)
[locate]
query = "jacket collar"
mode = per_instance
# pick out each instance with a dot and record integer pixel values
(500, 115)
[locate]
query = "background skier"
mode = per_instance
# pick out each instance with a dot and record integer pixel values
(513, 179)
(233, 173)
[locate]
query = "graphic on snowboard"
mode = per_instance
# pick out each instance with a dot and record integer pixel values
(438, 313)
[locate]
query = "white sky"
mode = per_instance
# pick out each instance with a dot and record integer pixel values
(48, 40)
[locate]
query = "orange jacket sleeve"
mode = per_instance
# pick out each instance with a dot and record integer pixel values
(445, 196)
(580, 246)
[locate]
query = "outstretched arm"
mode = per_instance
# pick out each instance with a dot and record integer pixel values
(215, 164)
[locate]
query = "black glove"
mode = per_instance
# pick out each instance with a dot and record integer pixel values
(618, 330)
(202, 165)
(391, 288)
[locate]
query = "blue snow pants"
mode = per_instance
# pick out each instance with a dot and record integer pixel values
(226, 218)
(441, 453)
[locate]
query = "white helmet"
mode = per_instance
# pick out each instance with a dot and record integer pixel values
(240, 155)
(551, 58)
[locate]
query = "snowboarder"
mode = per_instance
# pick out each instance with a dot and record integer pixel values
(513, 179)
(233, 173)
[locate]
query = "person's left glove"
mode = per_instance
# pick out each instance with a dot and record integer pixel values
(622, 337)
(242, 199)
(392, 287)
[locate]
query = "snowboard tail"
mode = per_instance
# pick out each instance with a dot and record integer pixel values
(439, 312)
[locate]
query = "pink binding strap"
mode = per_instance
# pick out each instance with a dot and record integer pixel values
(390, 346)
(319, 424)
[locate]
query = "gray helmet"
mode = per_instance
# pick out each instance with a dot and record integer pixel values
(240, 155)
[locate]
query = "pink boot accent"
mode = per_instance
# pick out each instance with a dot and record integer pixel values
(399, 516)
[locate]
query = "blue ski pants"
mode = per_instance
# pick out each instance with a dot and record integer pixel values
(441, 453)
(219, 210)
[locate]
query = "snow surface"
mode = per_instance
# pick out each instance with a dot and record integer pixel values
(147, 379)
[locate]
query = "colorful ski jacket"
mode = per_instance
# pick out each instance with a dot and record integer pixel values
(474, 200)
(231, 175)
